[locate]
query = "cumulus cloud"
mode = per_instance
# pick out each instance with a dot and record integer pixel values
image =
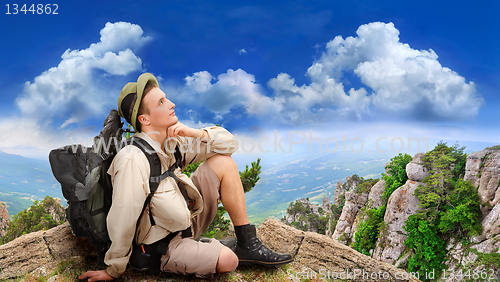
(405, 82)
(74, 90)
(79, 88)
(228, 90)
(396, 81)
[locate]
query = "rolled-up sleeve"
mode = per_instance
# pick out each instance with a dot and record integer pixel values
(219, 141)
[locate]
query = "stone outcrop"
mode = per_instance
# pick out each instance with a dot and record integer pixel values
(340, 202)
(415, 170)
(374, 202)
(304, 215)
(344, 230)
(54, 209)
(326, 203)
(375, 196)
(4, 218)
(295, 216)
(400, 206)
(324, 255)
(41, 249)
(356, 193)
(349, 185)
(488, 241)
(339, 190)
(491, 225)
(483, 169)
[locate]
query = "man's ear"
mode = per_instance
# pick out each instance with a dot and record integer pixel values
(144, 119)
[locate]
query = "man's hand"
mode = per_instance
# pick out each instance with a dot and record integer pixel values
(179, 129)
(92, 276)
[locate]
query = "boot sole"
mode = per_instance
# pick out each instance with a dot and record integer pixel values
(252, 262)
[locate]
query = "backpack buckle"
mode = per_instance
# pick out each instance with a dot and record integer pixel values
(105, 155)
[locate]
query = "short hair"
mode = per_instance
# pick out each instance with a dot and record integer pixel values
(143, 109)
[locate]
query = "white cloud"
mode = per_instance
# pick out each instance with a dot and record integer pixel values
(398, 82)
(74, 89)
(79, 88)
(30, 137)
(324, 94)
(230, 89)
(405, 81)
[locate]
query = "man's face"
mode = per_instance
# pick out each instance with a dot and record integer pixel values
(161, 110)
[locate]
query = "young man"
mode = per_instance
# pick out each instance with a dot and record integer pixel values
(146, 107)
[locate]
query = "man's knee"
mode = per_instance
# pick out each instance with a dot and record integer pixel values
(222, 164)
(228, 261)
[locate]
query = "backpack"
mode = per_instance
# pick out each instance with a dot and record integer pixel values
(82, 173)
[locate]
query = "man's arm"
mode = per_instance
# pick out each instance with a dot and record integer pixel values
(180, 129)
(206, 142)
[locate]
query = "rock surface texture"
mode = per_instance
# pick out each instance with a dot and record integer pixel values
(415, 170)
(400, 206)
(323, 255)
(375, 196)
(4, 218)
(43, 248)
(344, 230)
(483, 170)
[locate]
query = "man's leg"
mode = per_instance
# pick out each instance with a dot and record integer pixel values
(208, 185)
(249, 248)
(231, 190)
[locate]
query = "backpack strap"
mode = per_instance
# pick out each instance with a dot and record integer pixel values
(156, 176)
(160, 247)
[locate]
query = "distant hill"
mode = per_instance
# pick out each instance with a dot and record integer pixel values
(313, 176)
(24, 180)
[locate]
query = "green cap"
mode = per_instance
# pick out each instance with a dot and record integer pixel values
(131, 97)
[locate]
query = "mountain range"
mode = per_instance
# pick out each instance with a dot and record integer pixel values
(24, 180)
(284, 178)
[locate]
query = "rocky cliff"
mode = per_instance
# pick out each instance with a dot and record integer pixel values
(483, 169)
(479, 253)
(306, 216)
(4, 218)
(400, 206)
(316, 257)
(40, 216)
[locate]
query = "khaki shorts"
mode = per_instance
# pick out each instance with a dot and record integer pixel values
(185, 255)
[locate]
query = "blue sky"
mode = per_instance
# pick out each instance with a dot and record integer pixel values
(368, 69)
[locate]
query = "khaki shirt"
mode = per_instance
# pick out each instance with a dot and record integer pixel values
(130, 173)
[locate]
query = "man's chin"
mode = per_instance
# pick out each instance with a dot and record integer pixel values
(173, 121)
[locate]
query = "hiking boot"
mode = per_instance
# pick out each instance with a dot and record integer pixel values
(250, 249)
